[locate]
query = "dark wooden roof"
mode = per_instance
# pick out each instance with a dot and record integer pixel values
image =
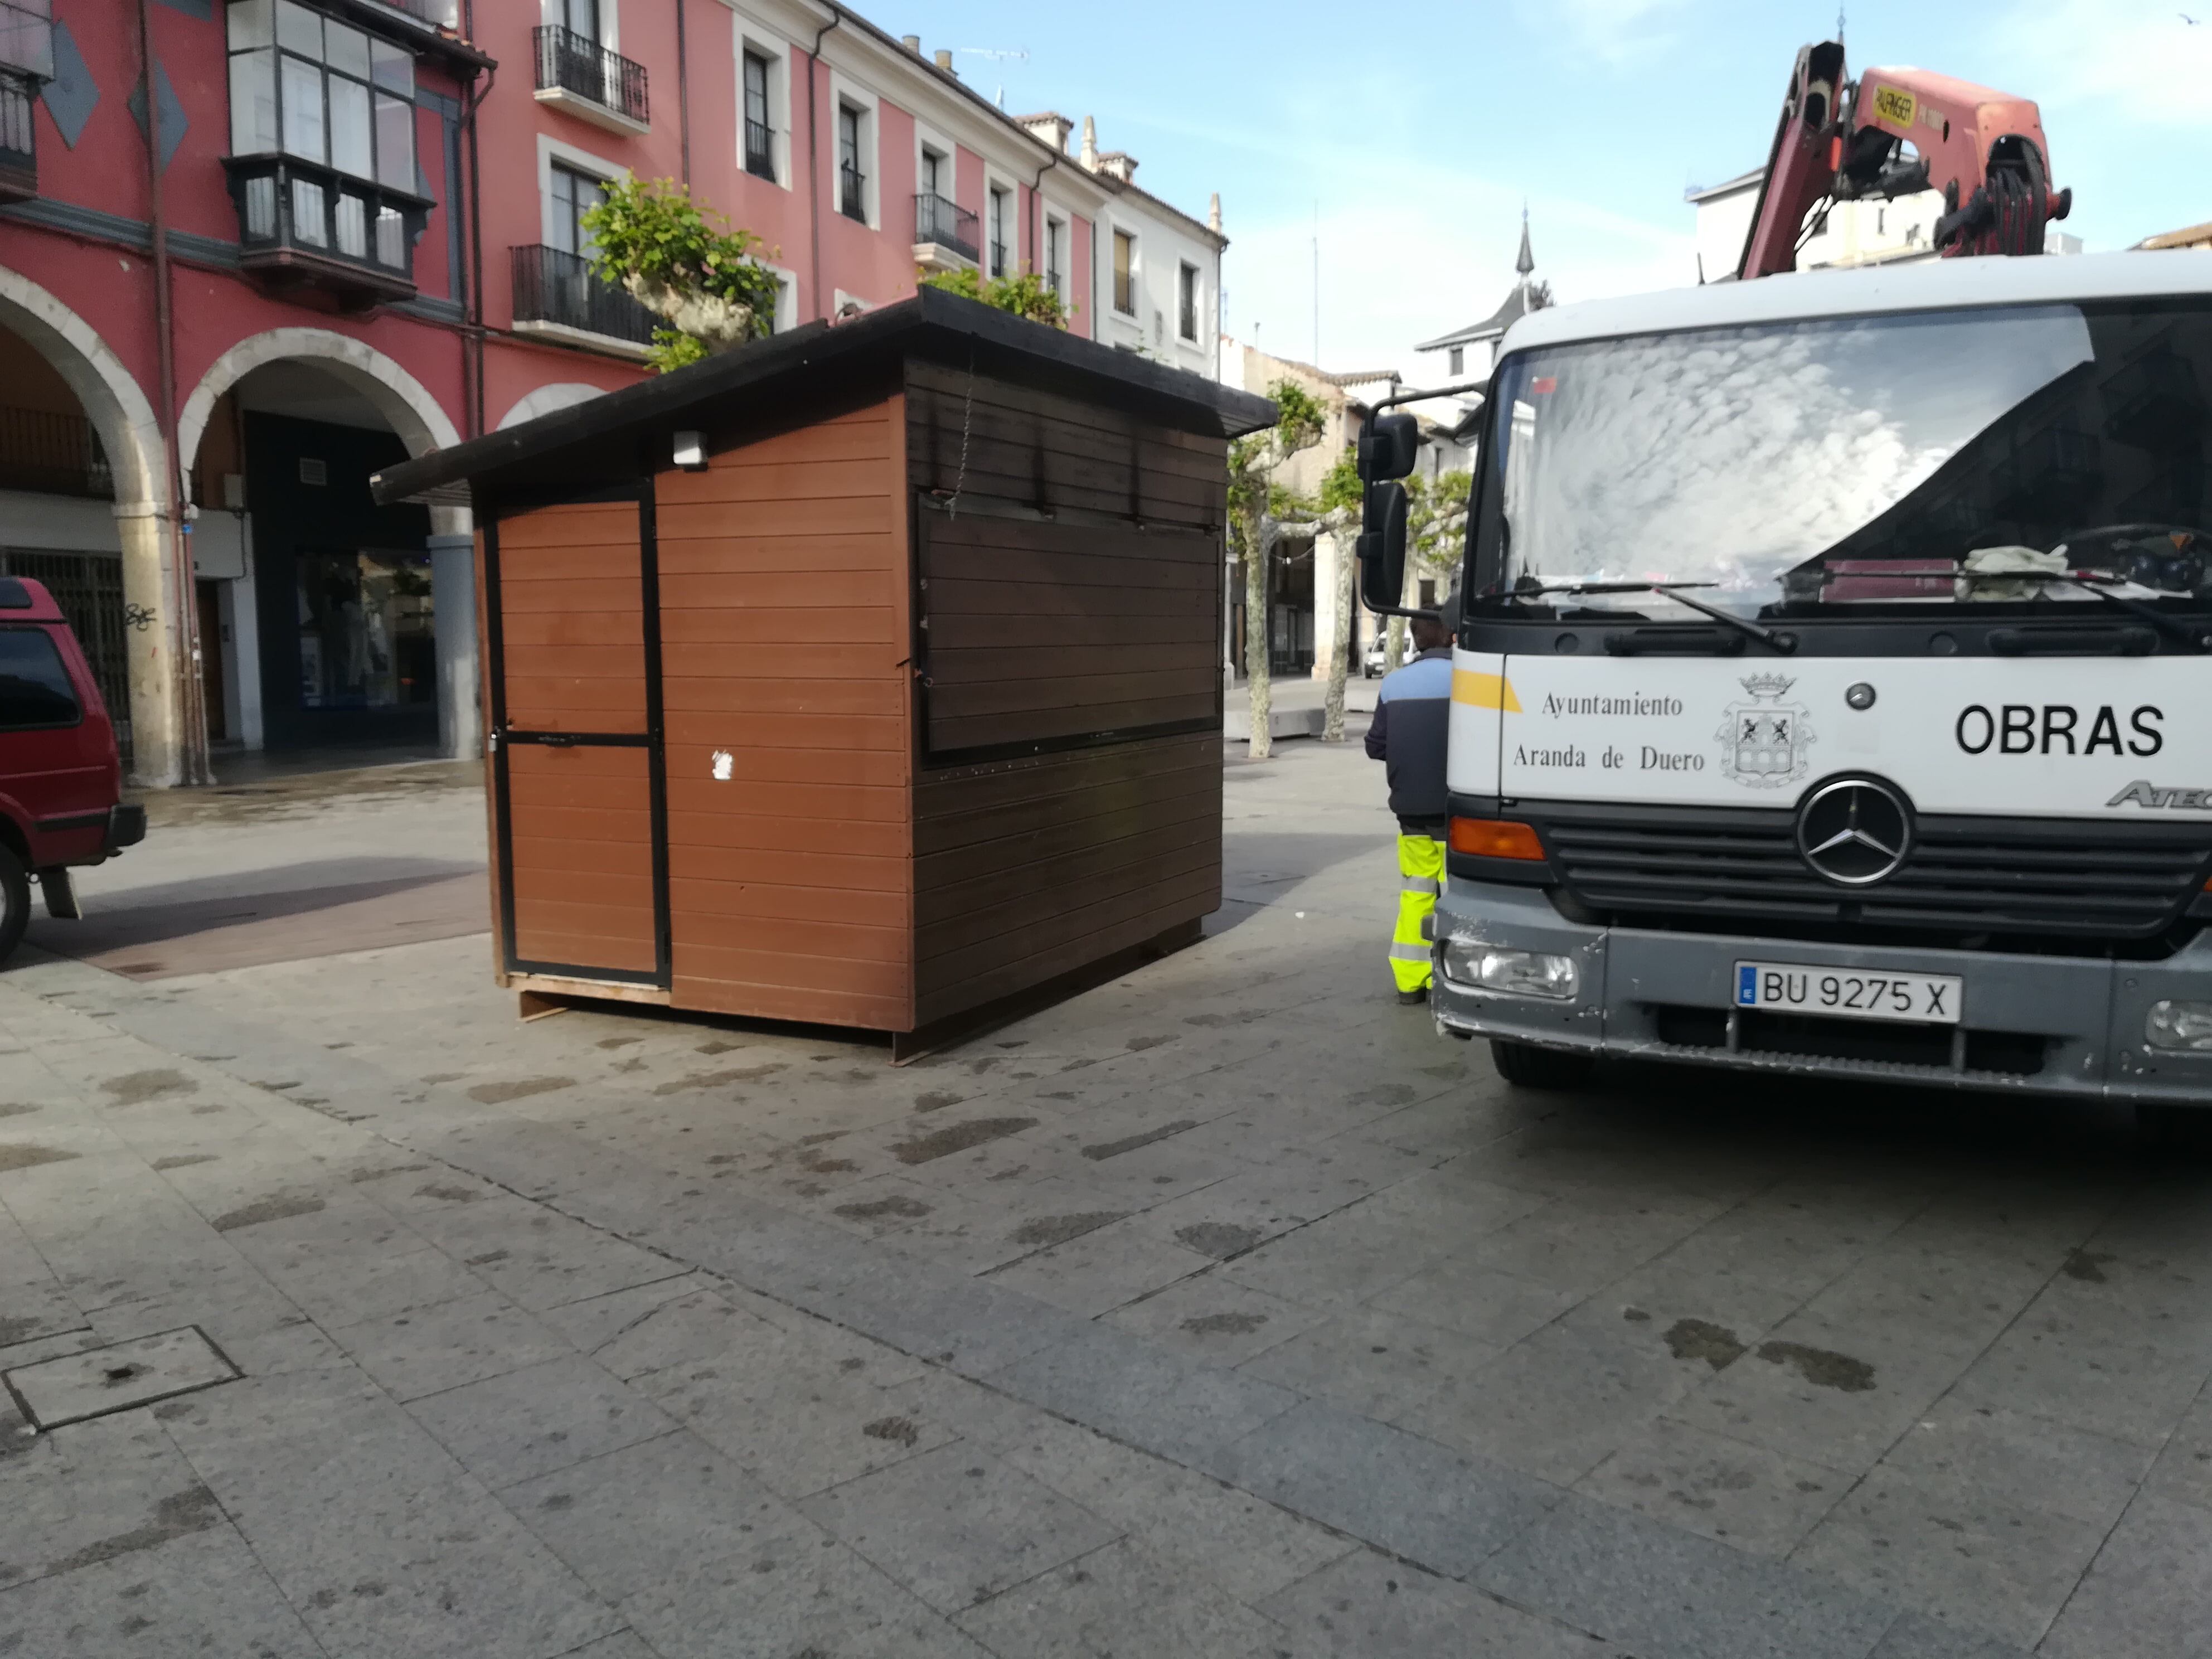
(815, 365)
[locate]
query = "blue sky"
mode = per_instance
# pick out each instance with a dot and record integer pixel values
(1415, 131)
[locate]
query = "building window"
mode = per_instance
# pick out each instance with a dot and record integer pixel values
(1125, 273)
(999, 216)
(308, 85)
(851, 180)
(933, 174)
(1458, 361)
(1187, 303)
(579, 17)
(368, 635)
(575, 194)
(760, 129)
(1056, 232)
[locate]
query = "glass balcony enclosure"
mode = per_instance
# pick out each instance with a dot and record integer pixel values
(322, 141)
(26, 62)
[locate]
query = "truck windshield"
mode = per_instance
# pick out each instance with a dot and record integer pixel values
(1826, 467)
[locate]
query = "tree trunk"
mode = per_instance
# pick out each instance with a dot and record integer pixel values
(1394, 647)
(1258, 548)
(1340, 656)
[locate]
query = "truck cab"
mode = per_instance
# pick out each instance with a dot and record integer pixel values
(61, 777)
(1831, 694)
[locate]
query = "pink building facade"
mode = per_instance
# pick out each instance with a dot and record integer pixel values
(347, 231)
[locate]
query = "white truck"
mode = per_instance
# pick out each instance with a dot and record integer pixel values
(1834, 688)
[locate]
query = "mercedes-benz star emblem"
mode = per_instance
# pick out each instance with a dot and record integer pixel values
(1855, 831)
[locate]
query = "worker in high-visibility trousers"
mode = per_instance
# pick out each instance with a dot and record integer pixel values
(1412, 715)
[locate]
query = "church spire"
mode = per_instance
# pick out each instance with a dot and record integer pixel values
(1527, 262)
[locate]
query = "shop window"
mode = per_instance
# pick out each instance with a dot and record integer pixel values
(366, 634)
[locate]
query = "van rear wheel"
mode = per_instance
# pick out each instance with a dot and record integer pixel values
(1530, 1068)
(16, 897)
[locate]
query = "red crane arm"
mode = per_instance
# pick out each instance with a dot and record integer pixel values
(1896, 132)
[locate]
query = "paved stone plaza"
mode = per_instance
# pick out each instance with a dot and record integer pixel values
(1222, 1310)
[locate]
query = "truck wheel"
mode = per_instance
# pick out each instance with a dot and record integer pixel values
(1530, 1068)
(14, 902)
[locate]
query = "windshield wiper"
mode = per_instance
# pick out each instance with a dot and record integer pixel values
(1782, 644)
(2194, 635)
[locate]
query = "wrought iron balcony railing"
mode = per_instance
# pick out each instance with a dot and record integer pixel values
(572, 62)
(303, 221)
(19, 151)
(55, 453)
(760, 150)
(851, 193)
(551, 286)
(945, 223)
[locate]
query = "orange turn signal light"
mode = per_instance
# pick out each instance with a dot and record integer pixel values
(1496, 838)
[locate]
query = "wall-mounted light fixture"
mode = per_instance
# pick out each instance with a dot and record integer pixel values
(691, 451)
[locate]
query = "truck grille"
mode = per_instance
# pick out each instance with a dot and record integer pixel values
(2013, 877)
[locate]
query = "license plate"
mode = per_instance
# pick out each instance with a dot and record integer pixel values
(1797, 988)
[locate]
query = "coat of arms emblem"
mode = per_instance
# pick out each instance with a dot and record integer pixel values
(1763, 741)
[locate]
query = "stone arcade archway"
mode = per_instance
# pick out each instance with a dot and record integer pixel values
(422, 425)
(122, 415)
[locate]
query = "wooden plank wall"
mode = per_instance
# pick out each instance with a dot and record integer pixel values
(572, 618)
(1039, 631)
(785, 623)
(582, 843)
(1026, 869)
(572, 629)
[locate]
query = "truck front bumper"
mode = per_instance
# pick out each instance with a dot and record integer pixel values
(2065, 1026)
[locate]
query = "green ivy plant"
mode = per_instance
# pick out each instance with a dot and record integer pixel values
(1025, 294)
(651, 239)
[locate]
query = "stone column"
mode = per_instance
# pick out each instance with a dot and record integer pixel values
(453, 597)
(154, 654)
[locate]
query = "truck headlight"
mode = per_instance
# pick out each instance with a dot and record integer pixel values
(1517, 973)
(2184, 1025)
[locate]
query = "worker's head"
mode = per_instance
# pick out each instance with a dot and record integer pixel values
(1430, 632)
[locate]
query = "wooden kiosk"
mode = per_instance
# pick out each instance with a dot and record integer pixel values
(866, 676)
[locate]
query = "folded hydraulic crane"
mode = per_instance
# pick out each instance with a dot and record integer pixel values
(1896, 132)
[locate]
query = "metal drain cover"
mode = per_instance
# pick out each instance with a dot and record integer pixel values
(116, 1377)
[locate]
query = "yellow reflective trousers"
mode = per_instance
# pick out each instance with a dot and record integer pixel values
(1420, 871)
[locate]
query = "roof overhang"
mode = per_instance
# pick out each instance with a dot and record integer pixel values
(603, 433)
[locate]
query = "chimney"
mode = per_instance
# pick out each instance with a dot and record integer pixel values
(1050, 129)
(1089, 157)
(912, 43)
(944, 59)
(1118, 164)
(1213, 213)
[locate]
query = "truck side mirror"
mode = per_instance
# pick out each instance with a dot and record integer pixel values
(1381, 546)
(1387, 446)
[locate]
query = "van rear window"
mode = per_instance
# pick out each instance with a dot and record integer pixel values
(35, 686)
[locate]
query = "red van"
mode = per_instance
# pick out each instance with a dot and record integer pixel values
(61, 779)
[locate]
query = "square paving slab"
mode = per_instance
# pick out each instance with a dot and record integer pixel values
(116, 1377)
